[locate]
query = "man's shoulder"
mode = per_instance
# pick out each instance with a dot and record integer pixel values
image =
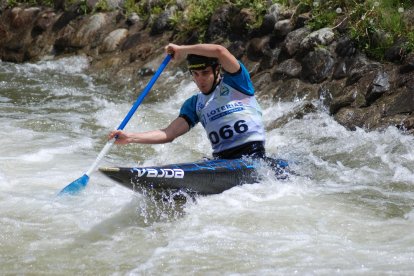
(240, 80)
(192, 100)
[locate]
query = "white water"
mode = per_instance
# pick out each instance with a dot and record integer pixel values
(350, 211)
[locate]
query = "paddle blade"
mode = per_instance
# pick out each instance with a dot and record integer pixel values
(76, 186)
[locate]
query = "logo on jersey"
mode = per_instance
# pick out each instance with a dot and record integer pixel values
(224, 110)
(200, 106)
(224, 91)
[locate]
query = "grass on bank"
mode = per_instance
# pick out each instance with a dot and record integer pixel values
(375, 25)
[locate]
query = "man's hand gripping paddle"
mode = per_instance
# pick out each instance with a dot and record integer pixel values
(80, 183)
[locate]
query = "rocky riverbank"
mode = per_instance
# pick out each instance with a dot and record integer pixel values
(285, 58)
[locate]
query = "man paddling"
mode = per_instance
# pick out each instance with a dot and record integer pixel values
(225, 105)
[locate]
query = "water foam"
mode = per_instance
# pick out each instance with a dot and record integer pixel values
(68, 65)
(355, 208)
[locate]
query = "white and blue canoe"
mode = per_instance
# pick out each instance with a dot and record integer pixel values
(202, 178)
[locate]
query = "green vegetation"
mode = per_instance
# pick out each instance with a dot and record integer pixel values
(197, 16)
(102, 5)
(374, 24)
(146, 8)
(47, 3)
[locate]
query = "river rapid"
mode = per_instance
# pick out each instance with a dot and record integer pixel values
(348, 211)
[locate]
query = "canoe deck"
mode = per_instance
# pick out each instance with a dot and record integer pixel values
(203, 177)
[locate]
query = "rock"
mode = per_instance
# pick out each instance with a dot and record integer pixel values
(63, 42)
(162, 23)
(301, 20)
(87, 33)
(275, 10)
(395, 53)
(345, 47)
(292, 41)
(349, 96)
(240, 22)
(329, 91)
(320, 37)
(406, 80)
(364, 92)
(132, 41)
(351, 118)
(404, 122)
(379, 86)
(293, 89)
(91, 4)
(4, 35)
(63, 20)
(283, 27)
(59, 5)
(219, 26)
(132, 19)
(340, 69)
(141, 52)
(296, 113)
(21, 18)
(360, 66)
(269, 20)
(398, 103)
(237, 48)
(408, 18)
(45, 20)
(317, 65)
(114, 4)
(263, 83)
(268, 24)
(270, 57)
(408, 64)
(145, 71)
(289, 68)
(113, 40)
(17, 26)
(257, 47)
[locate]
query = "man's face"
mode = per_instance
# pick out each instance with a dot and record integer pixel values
(204, 79)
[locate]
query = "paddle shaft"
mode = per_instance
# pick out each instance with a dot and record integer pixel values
(144, 92)
(131, 112)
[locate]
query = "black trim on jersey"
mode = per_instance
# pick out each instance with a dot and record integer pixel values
(189, 122)
(235, 73)
(254, 149)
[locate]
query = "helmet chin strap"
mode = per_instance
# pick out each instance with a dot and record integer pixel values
(216, 76)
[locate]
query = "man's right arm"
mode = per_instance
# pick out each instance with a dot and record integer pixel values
(175, 129)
